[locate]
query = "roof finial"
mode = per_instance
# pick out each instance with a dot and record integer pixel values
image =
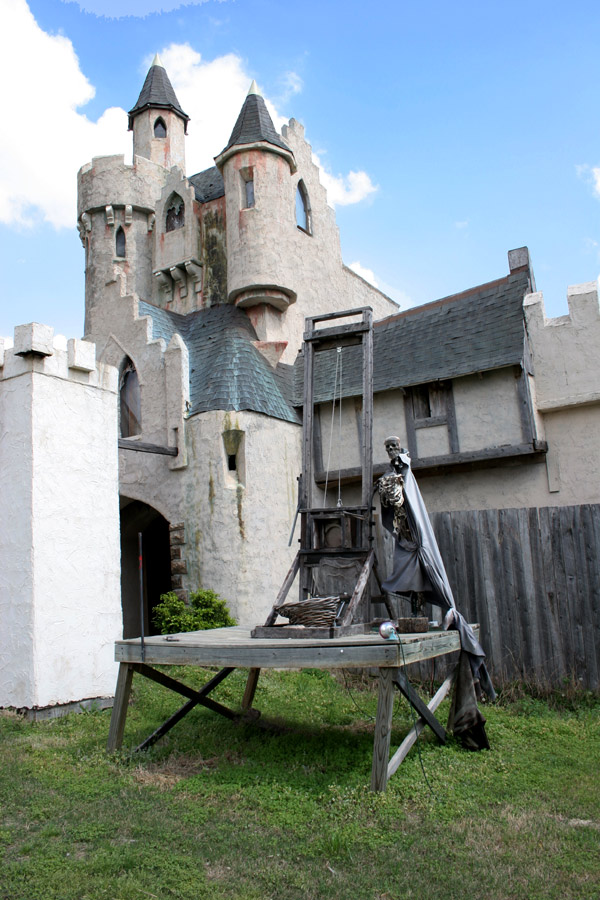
(254, 89)
(157, 61)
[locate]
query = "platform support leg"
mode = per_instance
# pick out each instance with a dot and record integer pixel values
(250, 691)
(119, 710)
(383, 728)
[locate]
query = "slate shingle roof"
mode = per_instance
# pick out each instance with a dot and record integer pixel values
(255, 124)
(475, 331)
(226, 371)
(208, 185)
(157, 92)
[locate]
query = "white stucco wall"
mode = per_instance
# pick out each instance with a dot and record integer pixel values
(487, 410)
(240, 532)
(59, 569)
(16, 543)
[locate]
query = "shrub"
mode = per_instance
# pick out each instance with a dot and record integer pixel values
(206, 610)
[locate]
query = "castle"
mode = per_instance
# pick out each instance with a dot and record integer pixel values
(196, 292)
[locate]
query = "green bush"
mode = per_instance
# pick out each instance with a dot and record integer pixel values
(206, 610)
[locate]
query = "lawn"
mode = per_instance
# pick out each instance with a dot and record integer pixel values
(236, 812)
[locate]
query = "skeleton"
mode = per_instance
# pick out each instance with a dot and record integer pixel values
(391, 493)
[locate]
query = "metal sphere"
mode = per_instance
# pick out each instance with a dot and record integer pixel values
(387, 630)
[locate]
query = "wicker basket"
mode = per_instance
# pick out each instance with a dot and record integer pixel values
(318, 612)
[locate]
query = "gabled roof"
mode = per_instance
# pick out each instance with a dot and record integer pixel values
(477, 330)
(227, 372)
(208, 185)
(254, 124)
(157, 93)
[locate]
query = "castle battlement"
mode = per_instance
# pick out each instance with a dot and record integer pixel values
(109, 179)
(565, 349)
(36, 350)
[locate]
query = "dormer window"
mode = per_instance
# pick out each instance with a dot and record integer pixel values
(120, 242)
(160, 129)
(175, 213)
(303, 217)
(129, 400)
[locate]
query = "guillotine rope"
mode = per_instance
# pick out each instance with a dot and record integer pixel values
(338, 373)
(339, 496)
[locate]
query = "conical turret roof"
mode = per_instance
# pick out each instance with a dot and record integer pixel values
(254, 124)
(157, 93)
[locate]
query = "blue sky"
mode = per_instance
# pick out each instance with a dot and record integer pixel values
(448, 133)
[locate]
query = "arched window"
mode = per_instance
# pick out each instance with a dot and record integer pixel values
(175, 213)
(160, 129)
(120, 242)
(303, 219)
(129, 400)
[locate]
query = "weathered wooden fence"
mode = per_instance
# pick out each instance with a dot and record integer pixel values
(531, 578)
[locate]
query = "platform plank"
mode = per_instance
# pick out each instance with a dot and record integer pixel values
(235, 647)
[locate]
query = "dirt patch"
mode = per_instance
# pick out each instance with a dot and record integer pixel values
(173, 770)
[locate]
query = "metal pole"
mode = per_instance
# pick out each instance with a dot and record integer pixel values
(141, 571)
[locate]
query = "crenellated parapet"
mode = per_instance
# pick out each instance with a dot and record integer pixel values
(565, 349)
(109, 179)
(35, 350)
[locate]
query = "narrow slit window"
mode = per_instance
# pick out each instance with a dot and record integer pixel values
(249, 193)
(120, 242)
(234, 458)
(129, 401)
(160, 129)
(303, 218)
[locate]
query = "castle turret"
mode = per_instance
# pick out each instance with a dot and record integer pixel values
(118, 203)
(158, 122)
(257, 166)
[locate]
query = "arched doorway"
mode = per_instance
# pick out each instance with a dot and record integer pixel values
(138, 517)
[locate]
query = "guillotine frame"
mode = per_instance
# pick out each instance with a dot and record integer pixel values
(355, 523)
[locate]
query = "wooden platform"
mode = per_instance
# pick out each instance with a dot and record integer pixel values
(232, 648)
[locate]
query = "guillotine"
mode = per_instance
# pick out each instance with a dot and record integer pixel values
(336, 554)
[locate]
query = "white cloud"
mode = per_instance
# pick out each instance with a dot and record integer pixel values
(400, 297)
(591, 175)
(365, 273)
(462, 224)
(48, 139)
(291, 84)
(118, 9)
(343, 190)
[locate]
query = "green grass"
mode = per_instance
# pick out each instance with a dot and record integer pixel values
(234, 812)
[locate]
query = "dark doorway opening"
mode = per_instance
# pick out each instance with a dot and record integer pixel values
(138, 517)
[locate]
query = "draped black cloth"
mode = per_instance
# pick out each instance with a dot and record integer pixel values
(421, 562)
